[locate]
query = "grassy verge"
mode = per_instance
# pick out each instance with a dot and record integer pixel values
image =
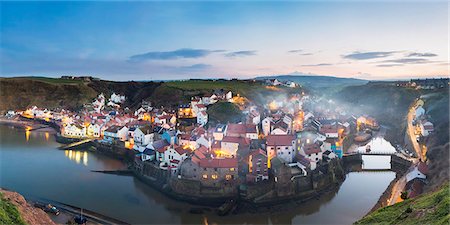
(430, 208)
(9, 213)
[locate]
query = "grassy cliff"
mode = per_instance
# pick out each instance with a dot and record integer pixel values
(9, 214)
(430, 208)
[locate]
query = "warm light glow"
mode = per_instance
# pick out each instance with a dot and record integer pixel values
(273, 105)
(221, 153)
(205, 176)
(85, 158)
(129, 144)
(27, 133)
(47, 136)
(214, 176)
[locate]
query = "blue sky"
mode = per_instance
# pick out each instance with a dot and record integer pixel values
(179, 40)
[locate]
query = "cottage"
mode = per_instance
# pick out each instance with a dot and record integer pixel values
(94, 130)
(175, 155)
(143, 136)
(242, 130)
(266, 125)
(330, 131)
(311, 151)
(202, 118)
(281, 146)
(74, 130)
(116, 133)
(148, 154)
(160, 147)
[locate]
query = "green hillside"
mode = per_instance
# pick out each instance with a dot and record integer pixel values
(22, 92)
(431, 208)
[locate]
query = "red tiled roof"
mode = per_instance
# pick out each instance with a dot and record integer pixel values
(329, 129)
(201, 106)
(258, 152)
(311, 148)
(219, 163)
(239, 140)
(423, 168)
(181, 150)
(280, 140)
(236, 128)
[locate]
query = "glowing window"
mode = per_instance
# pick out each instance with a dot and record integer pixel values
(214, 176)
(205, 176)
(228, 177)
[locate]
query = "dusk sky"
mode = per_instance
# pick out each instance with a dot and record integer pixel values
(181, 40)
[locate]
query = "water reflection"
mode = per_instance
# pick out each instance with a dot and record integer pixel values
(378, 145)
(47, 136)
(27, 133)
(40, 167)
(77, 156)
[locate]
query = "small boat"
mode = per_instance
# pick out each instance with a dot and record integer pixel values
(47, 208)
(368, 148)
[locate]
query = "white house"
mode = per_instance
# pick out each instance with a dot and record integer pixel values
(116, 133)
(415, 173)
(311, 151)
(202, 118)
(117, 98)
(229, 95)
(74, 130)
(175, 155)
(255, 116)
(143, 136)
(266, 125)
(281, 146)
(94, 130)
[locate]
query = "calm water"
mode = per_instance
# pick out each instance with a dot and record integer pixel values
(32, 165)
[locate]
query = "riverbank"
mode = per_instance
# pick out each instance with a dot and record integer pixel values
(28, 125)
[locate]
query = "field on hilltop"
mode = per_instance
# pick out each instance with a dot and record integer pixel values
(22, 92)
(182, 91)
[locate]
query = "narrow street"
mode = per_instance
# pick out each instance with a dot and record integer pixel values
(410, 132)
(399, 186)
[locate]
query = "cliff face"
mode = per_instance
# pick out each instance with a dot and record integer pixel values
(27, 213)
(21, 93)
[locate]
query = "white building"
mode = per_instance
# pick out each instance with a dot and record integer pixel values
(202, 118)
(281, 146)
(143, 136)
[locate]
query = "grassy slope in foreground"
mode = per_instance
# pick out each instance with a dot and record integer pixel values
(430, 208)
(9, 214)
